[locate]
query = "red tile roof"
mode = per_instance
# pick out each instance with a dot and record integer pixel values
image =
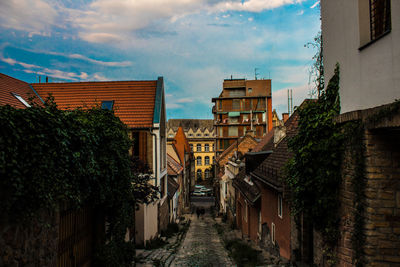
(9, 85)
(133, 100)
(181, 145)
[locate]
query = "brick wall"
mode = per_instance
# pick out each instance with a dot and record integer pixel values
(382, 211)
(33, 243)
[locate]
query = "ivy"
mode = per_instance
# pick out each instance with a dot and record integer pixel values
(49, 157)
(313, 174)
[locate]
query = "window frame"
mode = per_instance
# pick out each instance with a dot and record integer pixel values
(206, 160)
(197, 161)
(280, 206)
(273, 240)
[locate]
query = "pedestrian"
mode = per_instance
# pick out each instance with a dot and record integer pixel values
(202, 211)
(198, 212)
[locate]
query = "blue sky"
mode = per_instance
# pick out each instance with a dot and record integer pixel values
(193, 44)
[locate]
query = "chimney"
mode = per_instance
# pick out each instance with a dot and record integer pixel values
(285, 117)
(39, 79)
(47, 79)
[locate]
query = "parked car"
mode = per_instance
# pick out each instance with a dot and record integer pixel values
(198, 193)
(198, 187)
(207, 191)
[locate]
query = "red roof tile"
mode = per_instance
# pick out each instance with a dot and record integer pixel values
(133, 100)
(181, 145)
(9, 85)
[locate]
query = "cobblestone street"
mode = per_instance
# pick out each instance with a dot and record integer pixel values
(202, 245)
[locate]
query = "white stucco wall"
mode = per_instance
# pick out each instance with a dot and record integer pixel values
(369, 77)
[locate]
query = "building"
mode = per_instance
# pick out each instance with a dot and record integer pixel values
(200, 135)
(179, 153)
(225, 171)
(141, 106)
(363, 38)
(243, 106)
(175, 180)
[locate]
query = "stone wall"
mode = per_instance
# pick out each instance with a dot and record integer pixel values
(33, 243)
(163, 215)
(382, 199)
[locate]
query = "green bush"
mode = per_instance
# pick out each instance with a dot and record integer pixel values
(49, 156)
(242, 253)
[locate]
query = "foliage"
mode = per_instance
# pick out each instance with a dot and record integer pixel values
(49, 157)
(313, 174)
(317, 69)
(172, 228)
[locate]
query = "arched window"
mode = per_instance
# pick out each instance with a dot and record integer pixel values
(198, 148)
(207, 160)
(191, 147)
(199, 174)
(206, 147)
(198, 161)
(207, 174)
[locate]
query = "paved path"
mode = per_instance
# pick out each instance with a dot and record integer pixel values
(202, 246)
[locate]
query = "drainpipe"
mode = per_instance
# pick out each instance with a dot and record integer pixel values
(155, 158)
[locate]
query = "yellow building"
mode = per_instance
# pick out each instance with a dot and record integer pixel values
(201, 135)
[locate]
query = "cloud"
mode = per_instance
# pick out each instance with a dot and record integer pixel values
(184, 100)
(301, 12)
(173, 106)
(99, 62)
(280, 97)
(51, 72)
(253, 5)
(250, 19)
(29, 15)
(315, 4)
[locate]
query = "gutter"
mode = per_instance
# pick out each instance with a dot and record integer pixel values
(155, 151)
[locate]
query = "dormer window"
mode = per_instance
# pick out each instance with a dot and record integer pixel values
(107, 104)
(26, 104)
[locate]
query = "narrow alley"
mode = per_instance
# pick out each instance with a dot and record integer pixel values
(202, 245)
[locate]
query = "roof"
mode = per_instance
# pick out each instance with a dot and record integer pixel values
(270, 170)
(187, 124)
(234, 145)
(248, 188)
(173, 167)
(265, 143)
(10, 86)
(137, 103)
(172, 187)
(181, 144)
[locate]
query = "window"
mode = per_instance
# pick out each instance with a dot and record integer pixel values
(191, 147)
(221, 131)
(380, 18)
(206, 147)
(190, 135)
(273, 233)
(233, 119)
(198, 159)
(199, 174)
(219, 104)
(205, 134)
(21, 100)
(213, 147)
(207, 160)
(198, 147)
(171, 135)
(280, 206)
(233, 131)
(250, 90)
(207, 174)
(259, 225)
(213, 159)
(198, 135)
(107, 104)
(236, 104)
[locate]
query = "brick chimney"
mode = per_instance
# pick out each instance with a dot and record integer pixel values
(285, 117)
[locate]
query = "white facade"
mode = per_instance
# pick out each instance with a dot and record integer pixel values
(369, 76)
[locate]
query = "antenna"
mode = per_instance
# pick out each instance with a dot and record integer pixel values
(290, 101)
(255, 73)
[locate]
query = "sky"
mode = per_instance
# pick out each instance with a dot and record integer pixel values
(193, 44)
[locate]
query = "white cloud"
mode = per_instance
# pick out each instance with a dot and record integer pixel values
(280, 97)
(315, 4)
(250, 19)
(184, 100)
(301, 12)
(99, 62)
(29, 15)
(173, 106)
(253, 5)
